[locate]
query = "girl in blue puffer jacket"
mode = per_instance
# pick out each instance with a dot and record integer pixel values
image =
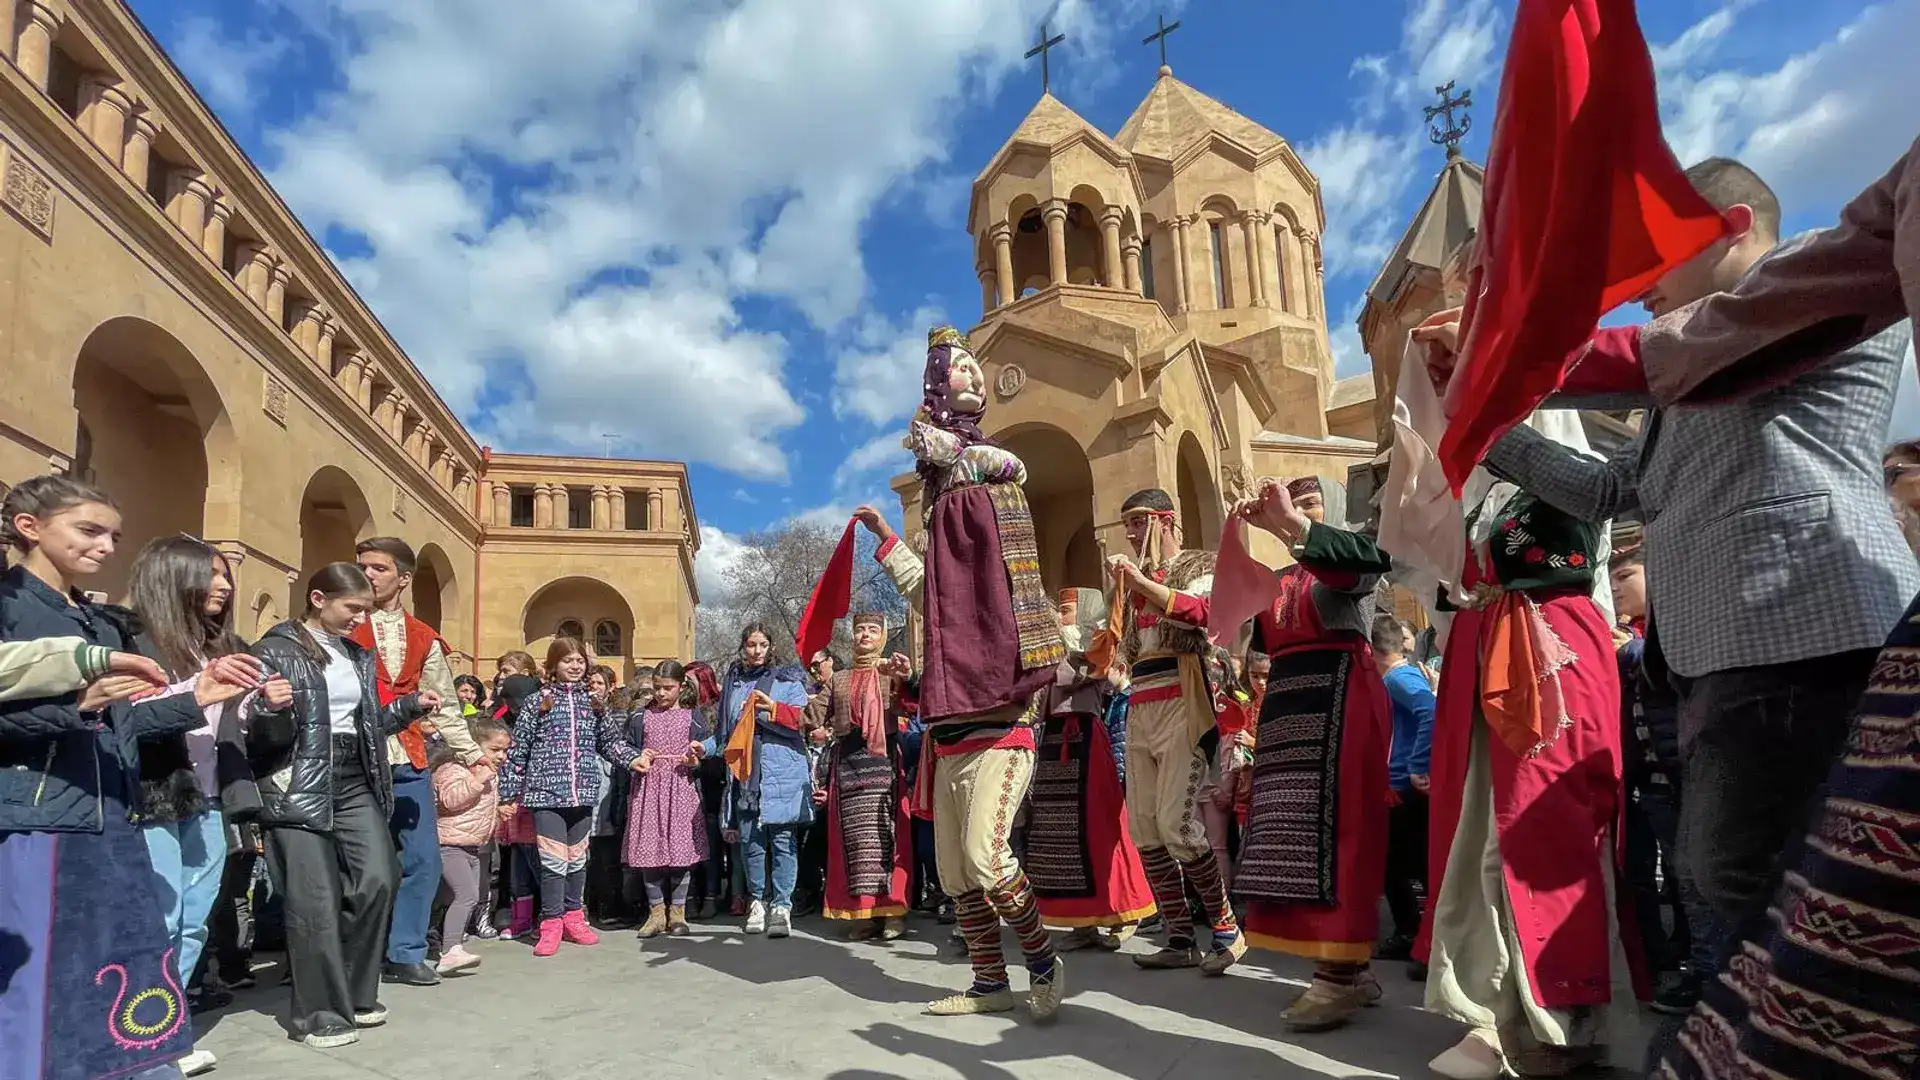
(770, 790)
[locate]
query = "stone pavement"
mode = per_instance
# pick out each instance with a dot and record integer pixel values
(720, 1004)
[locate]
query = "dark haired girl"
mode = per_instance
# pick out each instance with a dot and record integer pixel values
(770, 796)
(666, 835)
(327, 792)
(77, 897)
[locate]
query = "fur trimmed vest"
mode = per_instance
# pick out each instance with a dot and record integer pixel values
(1189, 572)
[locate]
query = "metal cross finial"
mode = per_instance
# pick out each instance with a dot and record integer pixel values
(1455, 129)
(1161, 37)
(1040, 50)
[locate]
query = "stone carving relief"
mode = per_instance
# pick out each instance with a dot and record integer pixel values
(1011, 380)
(29, 194)
(274, 400)
(1236, 482)
(399, 504)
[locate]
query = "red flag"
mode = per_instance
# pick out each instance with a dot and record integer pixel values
(829, 601)
(1585, 208)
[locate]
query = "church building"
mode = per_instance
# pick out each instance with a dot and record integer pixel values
(1154, 316)
(170, 331)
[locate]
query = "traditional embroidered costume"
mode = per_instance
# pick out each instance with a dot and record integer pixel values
(992, 641)
(869, 832)
(1313, 863)
(1170, 735)
(1527, 798)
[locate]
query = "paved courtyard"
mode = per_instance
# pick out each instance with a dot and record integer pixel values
(721, 1004)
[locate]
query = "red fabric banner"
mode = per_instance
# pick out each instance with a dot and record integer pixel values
(1585, 208)
(829, 602)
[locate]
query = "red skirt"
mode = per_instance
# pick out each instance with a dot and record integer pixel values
(1345, 929)
(1080, 859)
(840, 902)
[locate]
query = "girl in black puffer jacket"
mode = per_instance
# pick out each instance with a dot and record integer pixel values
(326, 794)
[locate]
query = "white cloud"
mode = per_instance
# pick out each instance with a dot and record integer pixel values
(222, 68)
(1343, 336)
(566, 203)
(1820, 126)
(718, 551)
(876, 375)
(864, 474)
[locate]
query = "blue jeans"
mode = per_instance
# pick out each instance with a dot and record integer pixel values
(188, 857)
(416, 836)
(780, 845)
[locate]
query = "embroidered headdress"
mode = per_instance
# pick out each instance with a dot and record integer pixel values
(1301, 486)
(936, 395)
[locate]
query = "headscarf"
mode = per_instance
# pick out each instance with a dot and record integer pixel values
(936, 406)
(1090, 616)
(867, 707)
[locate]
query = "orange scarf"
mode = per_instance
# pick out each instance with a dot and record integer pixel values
(1520, 662)
(739, 752)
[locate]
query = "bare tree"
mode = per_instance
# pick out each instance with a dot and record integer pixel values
(774, 577)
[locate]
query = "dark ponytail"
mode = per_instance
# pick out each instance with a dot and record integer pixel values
(331, 581)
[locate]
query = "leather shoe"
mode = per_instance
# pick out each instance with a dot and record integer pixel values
(420, 974)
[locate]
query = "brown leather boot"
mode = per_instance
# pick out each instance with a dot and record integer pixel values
(656, 923)
(677, 922)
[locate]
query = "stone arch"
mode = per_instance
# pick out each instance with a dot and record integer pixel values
(1195, 495)
(334, 516)
(1060, 490)
(265, 613)
(153, 430)
(1291, 264)
(436, 590)
(1219, 217)
(586, 601)
(1029, 250)
(1085, 246)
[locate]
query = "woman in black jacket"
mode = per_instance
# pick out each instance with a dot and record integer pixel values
(79, 894)
(326, 793)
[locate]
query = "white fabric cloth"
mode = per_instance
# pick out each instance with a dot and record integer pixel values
(343, 684)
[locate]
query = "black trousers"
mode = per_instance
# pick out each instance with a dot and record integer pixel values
(563, 833)
(1756, 745)
(230, 927)
(1407, 861)
(338, 894)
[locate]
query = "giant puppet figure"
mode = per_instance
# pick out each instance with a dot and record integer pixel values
(992, 643)
(1171, 731)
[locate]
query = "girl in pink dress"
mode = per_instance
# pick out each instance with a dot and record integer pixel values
(666, 831)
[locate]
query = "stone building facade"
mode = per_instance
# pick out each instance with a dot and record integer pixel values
(169, 329)
(1153, 316)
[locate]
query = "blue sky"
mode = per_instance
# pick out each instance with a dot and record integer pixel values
(718, 231)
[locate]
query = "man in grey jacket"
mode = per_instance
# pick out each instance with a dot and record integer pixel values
(1774, 566)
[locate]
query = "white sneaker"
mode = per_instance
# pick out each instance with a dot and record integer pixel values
(455, 960)
(757, 918)
(781, 924)
(197, 1062)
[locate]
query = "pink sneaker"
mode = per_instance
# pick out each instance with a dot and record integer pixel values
(455, 960)
(574, 927)
(549, 943)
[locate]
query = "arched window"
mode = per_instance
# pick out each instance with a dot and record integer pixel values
(1219, 244)
(570, 628)
(606, 639)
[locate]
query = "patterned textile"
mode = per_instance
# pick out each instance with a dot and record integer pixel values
(665, 826)
(1058, 858)
(863, 782)
(1013, 901)
(1169, 893)
(980, 927)
(1293, 824)
(1033, 617)
(1830, 987)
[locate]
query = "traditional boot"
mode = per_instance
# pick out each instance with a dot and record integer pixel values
(677, 922)
(574, 925)
(864, 930)
(892, 928)
(549, 943)
(656, 923)
(521, 926)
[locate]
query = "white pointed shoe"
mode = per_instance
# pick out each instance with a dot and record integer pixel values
(1476, 1057)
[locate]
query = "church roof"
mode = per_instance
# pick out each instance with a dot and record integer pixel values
(1174, 116)
(1352, 390)
(1048, 123)
(1450, 214)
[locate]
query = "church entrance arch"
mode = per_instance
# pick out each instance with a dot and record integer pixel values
(334, 516)
(1060, 491)
(583, 607)
(1195, 496)
(436, 591)
(153, 431)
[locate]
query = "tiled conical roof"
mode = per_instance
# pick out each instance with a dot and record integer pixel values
(1450, 214)
(1047, 123)
(1174, 116)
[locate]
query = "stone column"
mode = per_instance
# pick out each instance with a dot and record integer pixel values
(1177, 233)
(443, 468)
(397, 418)
(1003, 263)
(383, 412)
(1056, 218)
(1114, 277)
(306, 315)
(252, 267)
(187, 196)
(989, 290)
(33, 53)
(462, 485)
(277, 281)
(602, 506)
(323, 343)
(104, 107)
(656, 510)
(617, 508)
(542, 506)
(214, 240)
(1130, 263)
(502, 504)
(353, 368)
(9, 21)
(1256, 280)
(418, 445)
(1317, 284)
(138, 158)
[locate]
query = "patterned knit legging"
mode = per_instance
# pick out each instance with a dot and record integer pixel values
(562, 839)
(980, 912)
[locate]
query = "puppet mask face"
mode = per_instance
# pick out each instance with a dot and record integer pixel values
(966, 384)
